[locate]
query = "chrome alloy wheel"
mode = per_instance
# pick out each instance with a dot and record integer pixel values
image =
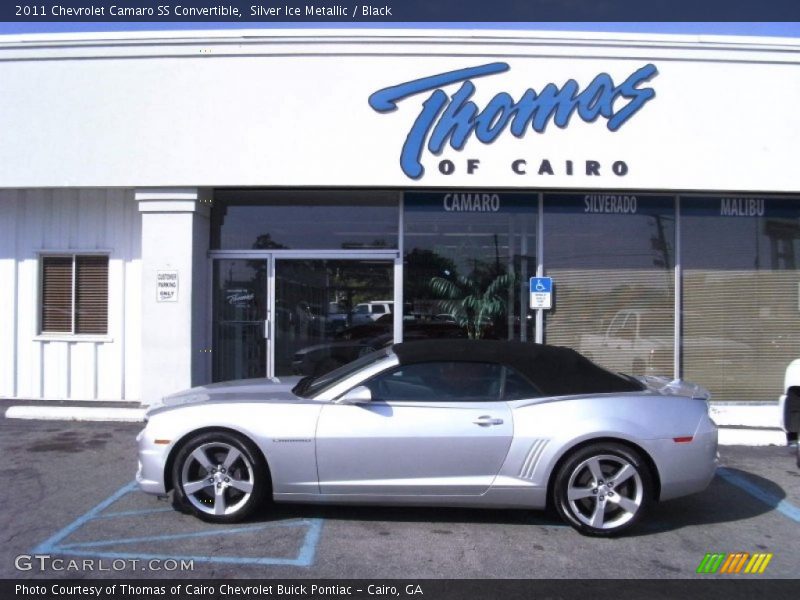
(605, 492)
(217, 478)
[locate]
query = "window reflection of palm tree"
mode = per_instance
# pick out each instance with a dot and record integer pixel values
(473, 304)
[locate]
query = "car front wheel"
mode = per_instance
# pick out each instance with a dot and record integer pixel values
(603, 489)
(220, 477)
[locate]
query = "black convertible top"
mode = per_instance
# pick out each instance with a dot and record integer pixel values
(555, 370)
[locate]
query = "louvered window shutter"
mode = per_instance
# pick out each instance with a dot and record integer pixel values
(57, 294)
(91, 294)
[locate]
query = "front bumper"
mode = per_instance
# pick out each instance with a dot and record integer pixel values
(152, 462)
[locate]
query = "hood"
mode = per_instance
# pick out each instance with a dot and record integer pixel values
(260, 390)
(674, 387)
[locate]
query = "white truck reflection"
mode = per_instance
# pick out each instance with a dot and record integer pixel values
(640, 341)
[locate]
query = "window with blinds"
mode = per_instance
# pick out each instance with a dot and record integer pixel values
(74, 296)
(741, 289)
(612, 259)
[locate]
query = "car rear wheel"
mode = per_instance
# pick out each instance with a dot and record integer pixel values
(220, 477)
(603, 489)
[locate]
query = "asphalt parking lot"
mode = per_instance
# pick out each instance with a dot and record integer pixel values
(68, 495)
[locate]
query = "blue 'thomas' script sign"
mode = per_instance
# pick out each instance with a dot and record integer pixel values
(454, 118)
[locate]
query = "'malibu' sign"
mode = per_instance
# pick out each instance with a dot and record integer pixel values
(454, 119)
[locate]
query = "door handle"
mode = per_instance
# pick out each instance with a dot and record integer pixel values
(266, 329)
(486, 420)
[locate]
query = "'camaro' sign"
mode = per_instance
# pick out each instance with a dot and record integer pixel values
(454, 119)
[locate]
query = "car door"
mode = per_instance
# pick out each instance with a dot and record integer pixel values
(434, 428)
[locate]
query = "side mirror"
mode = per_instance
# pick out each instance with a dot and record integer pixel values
(358, 395)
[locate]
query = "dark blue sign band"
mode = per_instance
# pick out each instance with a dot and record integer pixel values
(464, 201)
(292, 11)
(609, 203)
(740, 206)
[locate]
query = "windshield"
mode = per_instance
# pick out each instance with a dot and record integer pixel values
(311, 386)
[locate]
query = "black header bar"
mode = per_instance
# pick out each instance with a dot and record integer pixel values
(397, 11)
(425, 589)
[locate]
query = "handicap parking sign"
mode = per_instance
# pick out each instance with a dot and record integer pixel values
(542, 292)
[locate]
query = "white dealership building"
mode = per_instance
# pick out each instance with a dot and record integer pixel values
(182, 208)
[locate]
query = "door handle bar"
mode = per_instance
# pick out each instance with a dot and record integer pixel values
(487, 420)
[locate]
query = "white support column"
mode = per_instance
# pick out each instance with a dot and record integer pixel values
(175, 238)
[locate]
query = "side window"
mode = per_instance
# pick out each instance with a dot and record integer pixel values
(439, 381)
(517, 387)
(378, 309)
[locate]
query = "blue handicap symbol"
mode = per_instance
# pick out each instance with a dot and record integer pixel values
(542, 285)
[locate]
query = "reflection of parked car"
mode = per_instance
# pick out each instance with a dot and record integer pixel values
(790, 405)
(637, 340)
(356, 341)
(463, 422)
(367, 312)
(322, 358)
(640, 341)
(444, 318)
(368, 329)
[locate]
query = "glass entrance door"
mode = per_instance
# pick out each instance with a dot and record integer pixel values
(240, 304)
(278, 316)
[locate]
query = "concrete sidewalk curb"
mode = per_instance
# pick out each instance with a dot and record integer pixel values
(763, 415)
(76, 413)
(753, 436)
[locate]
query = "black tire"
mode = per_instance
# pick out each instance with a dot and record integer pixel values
(229, 487)
(623, 502)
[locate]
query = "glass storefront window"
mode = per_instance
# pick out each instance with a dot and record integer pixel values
(468, 257)
(308, 220)
(325, 313)
(612, 259)
(741, 294)
(330, 312)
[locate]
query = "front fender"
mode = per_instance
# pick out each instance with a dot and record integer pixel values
(283, 433)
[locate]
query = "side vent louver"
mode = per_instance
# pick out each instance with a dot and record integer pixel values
(535, 452)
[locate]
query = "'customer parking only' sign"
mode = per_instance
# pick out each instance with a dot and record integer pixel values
(542, 292)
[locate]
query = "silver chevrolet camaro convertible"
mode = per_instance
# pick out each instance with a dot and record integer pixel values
(450, 423)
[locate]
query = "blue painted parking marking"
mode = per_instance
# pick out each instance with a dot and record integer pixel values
(783, 506)
(131, 513)
(56, 543)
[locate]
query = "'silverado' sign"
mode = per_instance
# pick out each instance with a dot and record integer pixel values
(454, 119)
